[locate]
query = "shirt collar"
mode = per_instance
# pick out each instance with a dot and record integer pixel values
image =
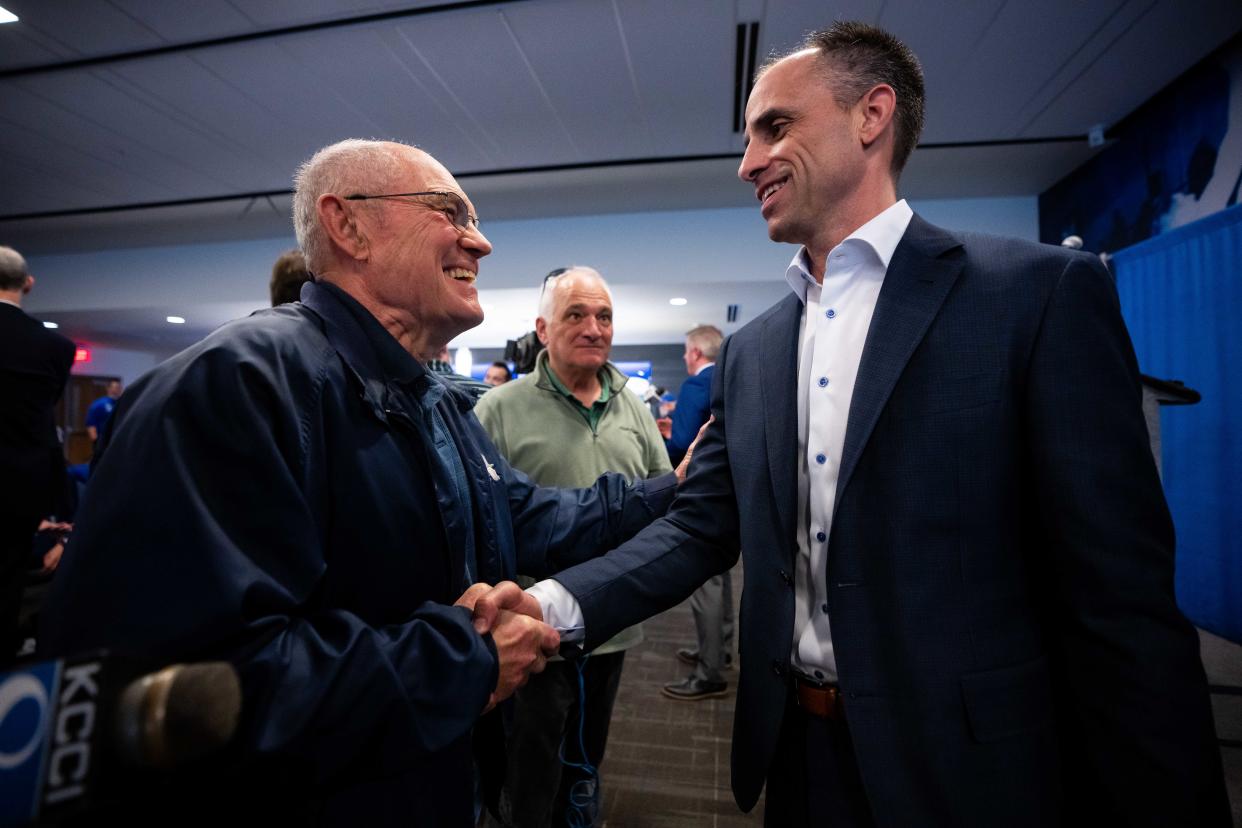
(8, 302)
(703, 368)
(881, 235)
(611, 380)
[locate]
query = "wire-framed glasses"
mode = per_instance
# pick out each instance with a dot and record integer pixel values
(445, 201)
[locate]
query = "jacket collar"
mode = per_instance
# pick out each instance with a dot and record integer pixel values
(924, 268)
(375, 360)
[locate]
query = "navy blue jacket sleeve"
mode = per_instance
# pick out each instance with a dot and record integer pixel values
(1133, 690)
(556, 528)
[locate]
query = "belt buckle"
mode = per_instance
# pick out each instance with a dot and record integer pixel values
(818, 698)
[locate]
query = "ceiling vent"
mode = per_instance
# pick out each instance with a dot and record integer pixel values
(744, 68)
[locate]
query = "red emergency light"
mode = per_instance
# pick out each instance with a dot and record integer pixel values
(82, 354)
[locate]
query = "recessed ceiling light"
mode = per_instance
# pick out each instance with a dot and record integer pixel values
(50, 325)
(677, 300)
(176, 320)
(7, 16)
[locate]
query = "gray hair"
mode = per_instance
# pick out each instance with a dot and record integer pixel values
(707, 339)
(344, 168)
(13, 271)
(547, 299)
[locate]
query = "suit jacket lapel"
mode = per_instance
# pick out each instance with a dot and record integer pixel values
(923, 269)
(778, 350)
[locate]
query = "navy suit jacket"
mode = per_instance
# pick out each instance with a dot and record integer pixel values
(693, 409)
(1000, 566)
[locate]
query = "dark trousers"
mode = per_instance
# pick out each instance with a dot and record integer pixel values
(814, 779)
(539, 790)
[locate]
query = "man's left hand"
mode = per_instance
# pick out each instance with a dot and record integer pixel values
(487, 601)
(684, 465)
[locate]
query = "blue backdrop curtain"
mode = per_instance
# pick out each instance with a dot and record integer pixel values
(1181, 294)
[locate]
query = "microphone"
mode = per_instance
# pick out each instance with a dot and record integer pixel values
(78, 730)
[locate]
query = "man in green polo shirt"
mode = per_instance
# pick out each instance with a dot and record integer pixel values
(565, 424)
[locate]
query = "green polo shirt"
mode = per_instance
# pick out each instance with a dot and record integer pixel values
(592, 414)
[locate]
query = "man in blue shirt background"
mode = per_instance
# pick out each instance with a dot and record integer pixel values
(100, 412)
(712, 603)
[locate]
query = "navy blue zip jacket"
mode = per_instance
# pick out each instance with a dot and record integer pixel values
(273, 496)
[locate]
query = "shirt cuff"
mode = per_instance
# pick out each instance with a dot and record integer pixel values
(560, 610)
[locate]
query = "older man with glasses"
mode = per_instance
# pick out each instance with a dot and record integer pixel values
(298, 495)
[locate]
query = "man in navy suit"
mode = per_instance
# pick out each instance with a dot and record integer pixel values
(34, 366)
(712, 603)
(959, 602)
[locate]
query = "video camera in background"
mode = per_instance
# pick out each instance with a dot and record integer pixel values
(523, 352)
(79, 732)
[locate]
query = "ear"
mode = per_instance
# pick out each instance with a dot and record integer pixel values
(541, 330)
(875, 112)
(27, 284)
(338, 222)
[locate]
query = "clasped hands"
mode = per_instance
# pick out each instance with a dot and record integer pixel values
(515, 620)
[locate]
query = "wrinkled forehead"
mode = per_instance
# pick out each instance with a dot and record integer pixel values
(428, 174)
(583, 289)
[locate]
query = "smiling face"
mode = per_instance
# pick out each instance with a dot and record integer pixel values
(803, 155)
(578, 331)
(420, 266)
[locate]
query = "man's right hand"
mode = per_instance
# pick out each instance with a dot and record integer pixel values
(523, 645)
(523, 642)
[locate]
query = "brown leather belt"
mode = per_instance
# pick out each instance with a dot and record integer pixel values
(820, 700)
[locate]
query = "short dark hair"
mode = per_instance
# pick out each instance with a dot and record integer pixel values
(288, 275)
(857, 56)
(505, 366)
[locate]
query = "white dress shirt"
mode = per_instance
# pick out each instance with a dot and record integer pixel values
(835, 319)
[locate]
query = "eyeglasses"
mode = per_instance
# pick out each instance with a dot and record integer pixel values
(551, 279)
(449, 203)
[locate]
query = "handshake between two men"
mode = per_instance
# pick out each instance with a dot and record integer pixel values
(515, 619)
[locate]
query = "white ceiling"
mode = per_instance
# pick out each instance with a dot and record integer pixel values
(610, 89)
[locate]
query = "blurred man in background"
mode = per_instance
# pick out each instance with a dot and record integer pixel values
(100, 411)
(289, 273)
(712, 603)
(565, 424)
(34, 366)
(497, 373)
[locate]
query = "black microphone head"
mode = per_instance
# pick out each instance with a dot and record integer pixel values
(179, 714)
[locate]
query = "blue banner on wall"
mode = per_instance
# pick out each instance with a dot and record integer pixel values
(1181, 295)
(1177, 159)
